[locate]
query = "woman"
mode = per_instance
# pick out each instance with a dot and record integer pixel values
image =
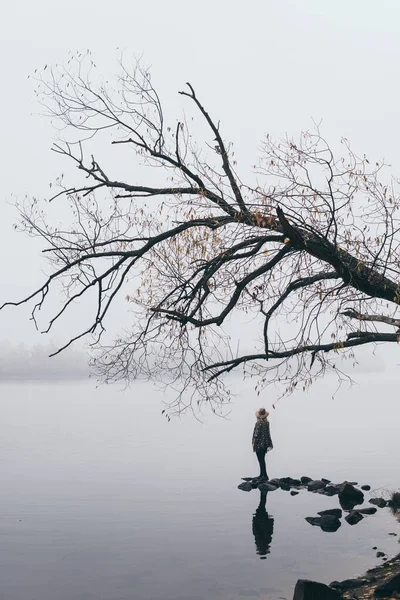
(262, 440)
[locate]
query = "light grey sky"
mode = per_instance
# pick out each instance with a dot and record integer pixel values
(261, 66)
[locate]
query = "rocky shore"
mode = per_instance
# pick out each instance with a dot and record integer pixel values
(382, 581)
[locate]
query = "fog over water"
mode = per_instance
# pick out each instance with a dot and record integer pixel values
(26, 363)
(101, 497)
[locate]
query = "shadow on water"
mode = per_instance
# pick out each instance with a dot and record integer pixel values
(263, 527)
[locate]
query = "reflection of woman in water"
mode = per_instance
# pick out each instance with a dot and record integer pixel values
(263, 527)
(262, 439)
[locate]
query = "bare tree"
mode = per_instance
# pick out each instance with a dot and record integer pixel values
(310, 249)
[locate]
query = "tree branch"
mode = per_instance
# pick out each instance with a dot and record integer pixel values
(222, 150)
(354, 339)
(353, 314)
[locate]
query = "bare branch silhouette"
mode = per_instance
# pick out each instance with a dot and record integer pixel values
(311, 251)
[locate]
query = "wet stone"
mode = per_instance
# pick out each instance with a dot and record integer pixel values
(331, 490)
(368, 511)
(315, 485)
(354, 517)
(349, 496)
(267, 487)
(274, 481)
(245, 487)
(313, 590)
(305, 480)
(348, 584)
(336, 512)
(379, 502)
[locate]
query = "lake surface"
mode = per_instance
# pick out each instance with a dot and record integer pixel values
(103, 499)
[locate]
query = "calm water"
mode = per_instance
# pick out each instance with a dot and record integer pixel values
(102, 499)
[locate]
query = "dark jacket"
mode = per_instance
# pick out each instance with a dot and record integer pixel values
(262, 436)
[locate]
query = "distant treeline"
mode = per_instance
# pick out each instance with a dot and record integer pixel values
(21, 362)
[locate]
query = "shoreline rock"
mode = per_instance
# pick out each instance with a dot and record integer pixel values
(380, 582)
(313, 590)
(377, 581)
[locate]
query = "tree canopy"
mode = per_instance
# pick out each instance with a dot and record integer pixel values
(307, 245)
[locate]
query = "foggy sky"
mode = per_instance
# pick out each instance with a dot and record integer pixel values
(264, 66)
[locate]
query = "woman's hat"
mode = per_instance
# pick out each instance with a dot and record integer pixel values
(261, 413)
